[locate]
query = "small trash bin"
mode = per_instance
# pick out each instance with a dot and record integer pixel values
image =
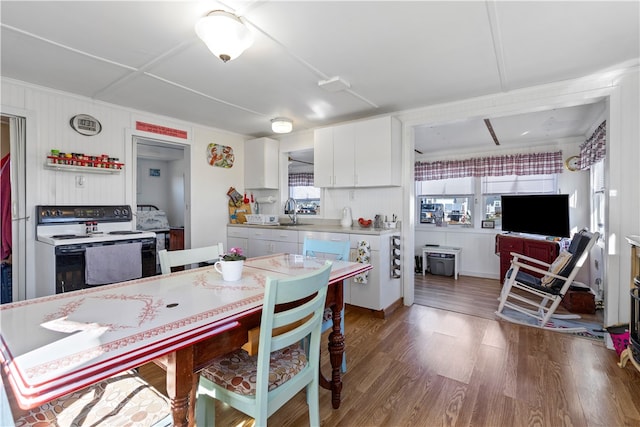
(441, 264)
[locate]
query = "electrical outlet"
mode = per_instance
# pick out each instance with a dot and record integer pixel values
(80, 181)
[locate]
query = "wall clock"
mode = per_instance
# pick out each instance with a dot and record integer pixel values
(85, 124)
(572, 163)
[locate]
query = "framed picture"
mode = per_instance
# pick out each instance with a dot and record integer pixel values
(154, 172)
(488, 224)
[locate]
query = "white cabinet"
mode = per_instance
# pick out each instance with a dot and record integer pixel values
(237, 237)
(358, 154)
(323, 157)
(265, 241)
(378, 153)
(261, 163)
(381, 290)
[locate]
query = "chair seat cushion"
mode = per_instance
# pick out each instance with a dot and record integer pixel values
(122, 400)
(236, 371)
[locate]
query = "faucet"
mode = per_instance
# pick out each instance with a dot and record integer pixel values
(291, 206)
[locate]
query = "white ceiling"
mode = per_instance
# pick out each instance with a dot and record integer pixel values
(396, 56)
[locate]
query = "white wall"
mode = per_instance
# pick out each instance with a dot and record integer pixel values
(51, 110)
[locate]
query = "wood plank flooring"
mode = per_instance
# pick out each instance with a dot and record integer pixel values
(424, 366)
(468, 295)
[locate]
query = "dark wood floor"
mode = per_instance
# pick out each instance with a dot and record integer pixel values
(423, 366)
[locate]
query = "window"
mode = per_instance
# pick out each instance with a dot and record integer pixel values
(308, 197)
(493, 187)
(446, 200)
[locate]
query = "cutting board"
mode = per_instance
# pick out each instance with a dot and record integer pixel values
(237, 213)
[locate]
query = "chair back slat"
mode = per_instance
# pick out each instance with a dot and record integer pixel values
(289, 290)
(184, 257)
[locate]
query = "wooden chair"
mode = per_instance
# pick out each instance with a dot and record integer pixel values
(535, 300)
(123, 399)
(328, 249)
(169, 259)
(260, 385)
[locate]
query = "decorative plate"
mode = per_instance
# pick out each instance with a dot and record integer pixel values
(220, 155)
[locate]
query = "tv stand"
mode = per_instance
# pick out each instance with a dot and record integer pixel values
(540, 249)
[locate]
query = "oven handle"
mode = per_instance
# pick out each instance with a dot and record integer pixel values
(80, 248)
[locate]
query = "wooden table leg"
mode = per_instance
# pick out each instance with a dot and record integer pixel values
(179, 385)
(336, 349)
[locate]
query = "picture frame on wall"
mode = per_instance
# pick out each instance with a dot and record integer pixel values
(154, 172)
(488, 224)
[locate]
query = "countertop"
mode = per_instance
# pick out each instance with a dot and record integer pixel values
(324, 227)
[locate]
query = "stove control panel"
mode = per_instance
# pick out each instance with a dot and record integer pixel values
(55, 214)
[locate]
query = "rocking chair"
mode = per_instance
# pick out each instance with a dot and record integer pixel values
(535, 300)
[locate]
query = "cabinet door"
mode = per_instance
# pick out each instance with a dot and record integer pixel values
(284, 247)
(258, 247)
(378, 149)
(176, 239)
(261, 163)
(344, 155)
(542, 250)
(323, 157)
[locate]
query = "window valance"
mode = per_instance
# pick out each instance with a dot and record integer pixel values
(512, 164)
(595, 148)
(300, 180)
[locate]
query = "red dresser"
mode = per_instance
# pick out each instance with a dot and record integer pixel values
(543, 250)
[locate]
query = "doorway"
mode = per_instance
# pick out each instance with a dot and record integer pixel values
(161, 180)
(13, 216)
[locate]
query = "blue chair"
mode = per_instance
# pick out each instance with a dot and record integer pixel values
(260, 385)
(333, 250)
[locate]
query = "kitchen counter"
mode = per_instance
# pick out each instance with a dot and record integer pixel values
(324, 227)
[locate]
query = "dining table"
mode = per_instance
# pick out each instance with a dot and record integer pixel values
(54, 345)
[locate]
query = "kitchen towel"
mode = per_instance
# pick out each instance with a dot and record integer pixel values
(363, 256)
(113, 263)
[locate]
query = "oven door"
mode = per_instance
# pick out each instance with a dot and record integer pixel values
(70, 262)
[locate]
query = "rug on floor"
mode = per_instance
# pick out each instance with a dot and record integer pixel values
(593, 331)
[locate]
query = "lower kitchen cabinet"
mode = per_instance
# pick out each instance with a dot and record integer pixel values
(265, 241)
(380, 291)
(237, 237)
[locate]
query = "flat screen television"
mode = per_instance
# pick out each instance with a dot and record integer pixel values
(544, 214)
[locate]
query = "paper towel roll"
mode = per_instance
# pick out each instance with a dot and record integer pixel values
(268, 199)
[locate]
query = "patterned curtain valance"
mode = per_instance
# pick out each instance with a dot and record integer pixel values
(300, 180)
(513, 164)
(594, 149)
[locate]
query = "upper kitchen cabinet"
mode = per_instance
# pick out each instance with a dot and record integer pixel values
(360, 154)
(261, 163)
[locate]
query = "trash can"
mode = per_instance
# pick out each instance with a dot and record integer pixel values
(441, 264)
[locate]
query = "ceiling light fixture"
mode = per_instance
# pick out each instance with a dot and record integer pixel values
(224, 34)
(281, 125)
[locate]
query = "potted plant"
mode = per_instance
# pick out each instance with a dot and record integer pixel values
(230, 265)
(234, 254)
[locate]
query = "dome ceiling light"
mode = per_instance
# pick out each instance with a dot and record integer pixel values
(224, 34)
(281, 125)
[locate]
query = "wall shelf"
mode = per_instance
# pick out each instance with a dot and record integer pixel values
(77, 168)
